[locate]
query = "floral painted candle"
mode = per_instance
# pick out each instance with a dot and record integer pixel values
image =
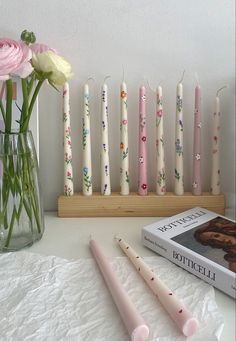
(142, 175)
(105, 164)
(215, 171)
(124, 146)
(196, 183)
(68, 172)
(160, 156)
(172, 304)
(86, 144)
(179, 167)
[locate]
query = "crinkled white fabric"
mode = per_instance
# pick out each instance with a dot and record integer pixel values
(46, 298)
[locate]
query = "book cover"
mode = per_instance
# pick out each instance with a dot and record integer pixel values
(200, 241)
(17, 103)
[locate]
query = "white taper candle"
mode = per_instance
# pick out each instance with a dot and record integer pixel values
(86, 144)
(176, 309)
(160, 155)
(68, 171)
(105, 163)
(215, 170)
(179, 166)
(124, 145)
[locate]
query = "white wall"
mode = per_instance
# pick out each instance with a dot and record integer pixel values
(152, 39)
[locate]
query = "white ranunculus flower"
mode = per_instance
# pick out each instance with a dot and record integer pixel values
(49, 61)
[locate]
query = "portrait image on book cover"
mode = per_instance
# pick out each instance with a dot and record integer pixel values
(215, 240)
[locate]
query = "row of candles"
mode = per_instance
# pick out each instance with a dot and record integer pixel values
(135, 324)
(87, 187)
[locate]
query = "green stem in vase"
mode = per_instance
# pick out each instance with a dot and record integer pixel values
(25, 105)
(8, 117)
(25, 124)
(2, 111)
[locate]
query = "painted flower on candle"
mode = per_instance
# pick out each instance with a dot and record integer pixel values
(127, 177)
(87, 179)
(199, 125)
(197, 156)
(194, 184)
(123, 94)
(69, 176)
(179, 103)
(144, 186)
(161, 177)
(105, 188)
(160, 113)
(125, 153)
(177, 175)
(143, 97)
(178, 147)
(159, 101)
(140, 159)
(68, 158)
(125, 122)
(67, 190)
(181, 125)
(144, 138)
(142, 121)
(122, 145)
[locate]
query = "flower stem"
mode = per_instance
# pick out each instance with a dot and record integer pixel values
(2, 111)
(25, 124)
(25, 105)
(8, 117)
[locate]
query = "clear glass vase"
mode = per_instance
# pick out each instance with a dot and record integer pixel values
(21, 212)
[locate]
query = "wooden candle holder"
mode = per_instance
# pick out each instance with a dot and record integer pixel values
(134, 205)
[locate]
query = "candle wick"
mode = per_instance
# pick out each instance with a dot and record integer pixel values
(123, 73)
(150, 87)
(90, 79)
(106, 78)
(223, 87)
(197, 78)
(181, 80)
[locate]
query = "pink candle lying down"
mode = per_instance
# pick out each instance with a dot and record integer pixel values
(179, 313)
(135, 324)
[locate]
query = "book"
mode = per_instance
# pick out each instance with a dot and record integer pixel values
(201, 242)
(17, 103)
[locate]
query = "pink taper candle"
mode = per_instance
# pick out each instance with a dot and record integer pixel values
(142, 176)
(135, 324)
(176, 309)
(197, 184)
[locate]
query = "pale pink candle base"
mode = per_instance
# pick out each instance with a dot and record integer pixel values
(142, 183)
(133, 321)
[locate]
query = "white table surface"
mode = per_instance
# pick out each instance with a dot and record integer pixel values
(69, 237)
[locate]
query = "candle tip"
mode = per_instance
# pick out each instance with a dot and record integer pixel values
(90, 79)
(150, 87)
(105, 78)
(181, 80)
(223, 87)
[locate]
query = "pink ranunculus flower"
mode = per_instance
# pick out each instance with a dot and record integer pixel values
(14, 59)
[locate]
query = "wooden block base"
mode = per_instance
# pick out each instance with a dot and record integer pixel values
(134, 205)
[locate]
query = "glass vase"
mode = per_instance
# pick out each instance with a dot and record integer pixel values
(21, 212)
